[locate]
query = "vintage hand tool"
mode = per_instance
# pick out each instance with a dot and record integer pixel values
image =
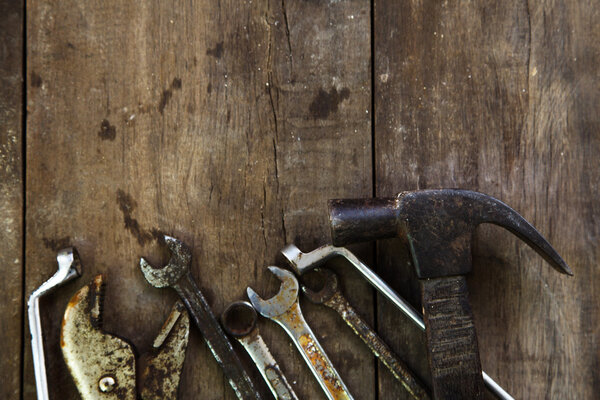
(331, 296)
(176, 274)
(284, 309)
(438, 225)
(103, 366)
(239, 320)
(69, 267)
(303, 262)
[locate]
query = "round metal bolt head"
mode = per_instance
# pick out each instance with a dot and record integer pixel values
(107, 384)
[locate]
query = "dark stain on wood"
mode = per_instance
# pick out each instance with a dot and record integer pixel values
(107, 131)
(217, 51)
(35, 79)
(168, 93)
(326, 103)
(209, 88)
(57, 244)
(127, 204)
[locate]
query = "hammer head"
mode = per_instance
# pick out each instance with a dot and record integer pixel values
(282, 301)
(178, 265)
(438, 225)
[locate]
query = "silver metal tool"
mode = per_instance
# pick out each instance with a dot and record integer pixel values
(69, 267)
(331, 296)
(240, 321)
(284, 309)
(303, 262)
(176, 274)
(104, 366)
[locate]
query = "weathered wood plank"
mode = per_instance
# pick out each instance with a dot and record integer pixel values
(227, 124)
(11, 196)
(501, 98)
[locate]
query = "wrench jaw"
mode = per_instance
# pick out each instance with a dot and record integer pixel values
(282, 301)
(85, 348)
(178, 265)
(160, 370)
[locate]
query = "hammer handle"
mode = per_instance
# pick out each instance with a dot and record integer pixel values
(451, 339)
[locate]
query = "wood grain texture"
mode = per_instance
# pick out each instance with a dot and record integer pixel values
(11, 196)
(501, 98)
(227, 124)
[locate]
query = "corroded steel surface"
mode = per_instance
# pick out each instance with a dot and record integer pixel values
(176, 274)
(284, 309)
(331, 296)
(103, 366)
(92, 354)
(239, 320)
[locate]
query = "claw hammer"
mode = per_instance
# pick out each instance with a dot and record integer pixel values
(439, 225)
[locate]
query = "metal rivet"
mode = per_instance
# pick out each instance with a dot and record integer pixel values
(107, 384)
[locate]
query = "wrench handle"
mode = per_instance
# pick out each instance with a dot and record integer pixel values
(215, 338)
(377, 346)
(314, 355)
(268, 367)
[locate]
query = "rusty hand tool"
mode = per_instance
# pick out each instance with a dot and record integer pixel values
(103, 366)
(304, 262)
(331, 296)
(176, 274)
(284, 309)
(240, 321)
(438, 225)
(69, 268)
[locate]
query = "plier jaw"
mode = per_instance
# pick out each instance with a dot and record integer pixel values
(103, 366)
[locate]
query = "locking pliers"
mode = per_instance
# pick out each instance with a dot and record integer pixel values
(103, 366)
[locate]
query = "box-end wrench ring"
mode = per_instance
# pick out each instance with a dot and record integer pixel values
(240, 321)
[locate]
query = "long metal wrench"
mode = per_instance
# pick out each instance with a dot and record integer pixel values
(331, 296)
(240, 321)
(304, 262)
(284, 309)
(69, 267)
(176, 274)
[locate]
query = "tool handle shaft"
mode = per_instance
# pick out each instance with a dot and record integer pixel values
(215, 338)
(268, 367)
(313, 354)
(451, 339)
(379, 348)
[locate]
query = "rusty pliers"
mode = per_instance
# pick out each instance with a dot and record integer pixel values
(103, 366)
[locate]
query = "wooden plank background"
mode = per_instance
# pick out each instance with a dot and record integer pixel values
(230, 123)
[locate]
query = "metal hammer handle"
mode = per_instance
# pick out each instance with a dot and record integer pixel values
(311, 260)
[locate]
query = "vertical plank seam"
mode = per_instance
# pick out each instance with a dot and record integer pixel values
(24, 192)
(374, 186)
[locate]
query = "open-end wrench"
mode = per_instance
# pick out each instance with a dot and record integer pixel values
(69, 267)
(331, 296)
(239, 320)
(284, 309)
(176, 274)
(303, 262)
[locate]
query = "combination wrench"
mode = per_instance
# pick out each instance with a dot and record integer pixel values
(176, 274)
(69, 267)
(284, 309)
(303, 262)
(331, 296)
(240, 321)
